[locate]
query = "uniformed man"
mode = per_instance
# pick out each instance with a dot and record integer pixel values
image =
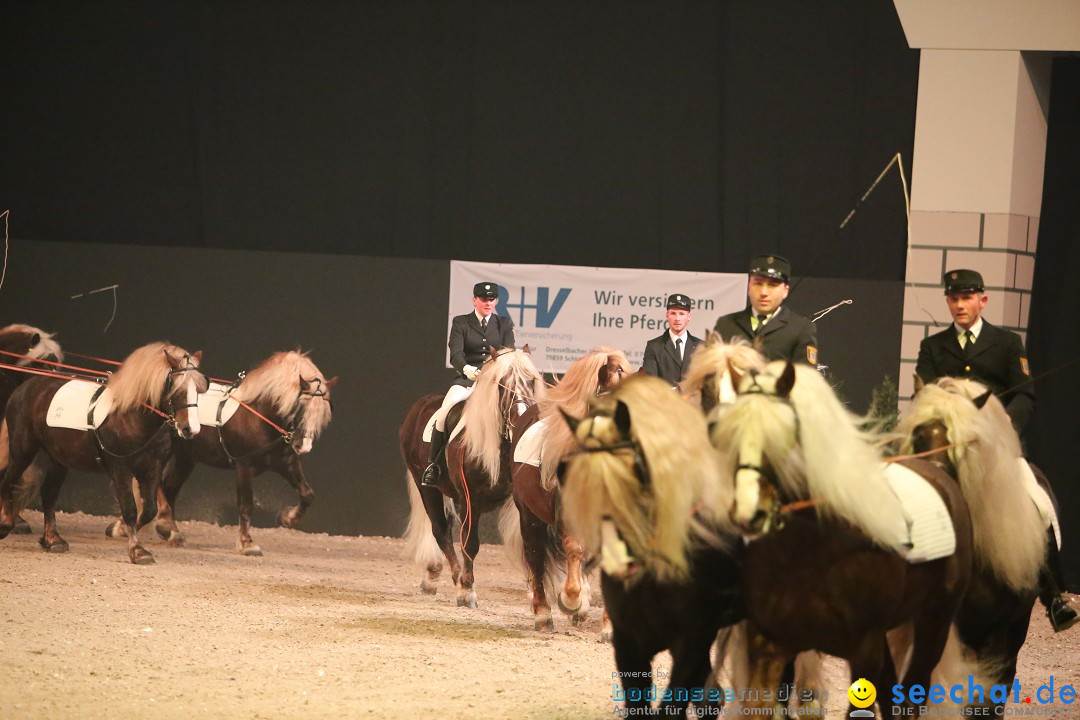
(973, 348)
(775, 331)
(472, 336)
(668, 356)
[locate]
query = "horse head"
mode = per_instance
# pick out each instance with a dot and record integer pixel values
(312, 411)
(643, 485)
(30, 342)
(182, 387)
(717, 368)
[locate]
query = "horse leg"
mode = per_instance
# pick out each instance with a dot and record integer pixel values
(50, 539)
(766, 663)
(534, 537)
(871, 654)
(294, 473)
(690, 668)
(122, 487)
(31, 479)
(574, 599)
(634, 664)
(607, 630)
(440, 529)
(245, 502)
(176, 471)
(470, 547)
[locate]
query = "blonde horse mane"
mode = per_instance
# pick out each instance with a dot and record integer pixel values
(1009, 534)
(817, 448)
(684, 503)
(713, 357)
(578, 386)
(486, 407)
(144, 374)
(45, 346)
(277, 380)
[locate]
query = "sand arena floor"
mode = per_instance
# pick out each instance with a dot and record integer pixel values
(320, 626)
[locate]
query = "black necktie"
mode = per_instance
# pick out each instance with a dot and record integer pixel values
(760, 324)
(969, 343)
(483, 325)
(678, 347)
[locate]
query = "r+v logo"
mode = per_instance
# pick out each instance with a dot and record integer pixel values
(544, 308)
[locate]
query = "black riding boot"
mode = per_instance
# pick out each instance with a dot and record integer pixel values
(431, 473)
(1062, 615)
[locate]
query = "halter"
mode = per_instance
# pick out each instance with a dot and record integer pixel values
(286, 435)
(189, 366)
(641, 465)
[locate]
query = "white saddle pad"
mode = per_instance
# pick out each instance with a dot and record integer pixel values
(209, 402)
(930, 533)
(530, 447)
(70, 405)
(1041, 499)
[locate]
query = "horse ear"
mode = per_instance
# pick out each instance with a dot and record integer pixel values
(981, 400)
(622, 418)
(304, 384)
(919, 384)
(786, 381)
(173, 362)
(493, 352)
(35, 339)
(735, 374)
(332, 382)
(527, 350)
(197, 355)
(571, 421)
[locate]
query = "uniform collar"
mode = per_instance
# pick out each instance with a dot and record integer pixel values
(479, 317)
(975, 329)
(674, 337)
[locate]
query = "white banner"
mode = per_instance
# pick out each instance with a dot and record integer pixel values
(562, 311)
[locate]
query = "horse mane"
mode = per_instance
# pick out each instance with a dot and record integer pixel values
(817, 448)
(578, 386)
(486, 407)
(1009, 533)
(45, 347)
(143, 376)
(685, 504)
(712, 358)
(277, 381)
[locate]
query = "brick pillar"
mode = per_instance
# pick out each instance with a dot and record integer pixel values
(977, 174)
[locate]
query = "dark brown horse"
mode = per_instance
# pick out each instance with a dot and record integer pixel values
(824, 562)
(21, 346)
(153, 392)
(975, 442)
(531, 527)
(286, 406)
(475, 475)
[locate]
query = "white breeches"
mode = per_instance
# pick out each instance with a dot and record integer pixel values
(454, 395)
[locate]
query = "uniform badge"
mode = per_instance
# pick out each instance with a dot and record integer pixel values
(811, 354)
(1024, 366)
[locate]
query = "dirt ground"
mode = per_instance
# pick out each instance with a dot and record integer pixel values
(320, 626)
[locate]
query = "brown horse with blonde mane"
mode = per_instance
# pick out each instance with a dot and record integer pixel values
(286, 406)
(475, 475)
(21, 346)
(531, 527)
(153, 391)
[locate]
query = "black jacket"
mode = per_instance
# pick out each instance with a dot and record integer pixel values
(997, 360)
(469, 345)
(786, 336)
(663, 361)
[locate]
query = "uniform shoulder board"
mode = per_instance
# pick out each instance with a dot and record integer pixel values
(1024, 366)
(811, 355)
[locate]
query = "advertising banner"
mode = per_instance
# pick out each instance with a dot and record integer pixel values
(561, 311)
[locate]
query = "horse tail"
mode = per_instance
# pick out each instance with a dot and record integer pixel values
(5, 450)
(510, 532)
(419, 540)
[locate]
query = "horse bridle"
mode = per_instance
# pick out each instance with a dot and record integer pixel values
(189, 366)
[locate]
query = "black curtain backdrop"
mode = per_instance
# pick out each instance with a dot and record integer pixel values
(663, 134)
(1053, 335)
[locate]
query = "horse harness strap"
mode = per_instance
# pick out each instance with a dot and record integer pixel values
(99, 449)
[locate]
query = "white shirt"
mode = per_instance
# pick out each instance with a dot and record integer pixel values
(682, 337)
(480, 317)
(975, 329)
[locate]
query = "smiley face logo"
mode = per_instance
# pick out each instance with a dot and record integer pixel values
(862, 693)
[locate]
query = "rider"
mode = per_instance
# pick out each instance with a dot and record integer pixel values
(472, 336)
(973, 348)
(775, 331)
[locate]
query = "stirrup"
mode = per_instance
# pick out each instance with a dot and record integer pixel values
(430, 478)
(1062, 615)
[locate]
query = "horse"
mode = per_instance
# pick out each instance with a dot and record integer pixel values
(153, 390)
(284, 407)
(644, 493)
(824, 564)
(717, 368)
(980, 448)
(475, 476)
(29, 344)
(530, 525)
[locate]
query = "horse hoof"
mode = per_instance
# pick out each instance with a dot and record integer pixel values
(251, 551)
(115, 530)
(60, 546)
(141, 556)
(578, 619)
(428, 588)
(544, 625)
(21, 527)
(468, 601)
(286, 519)
(607, 636)
(176, 539)
(566, 607)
